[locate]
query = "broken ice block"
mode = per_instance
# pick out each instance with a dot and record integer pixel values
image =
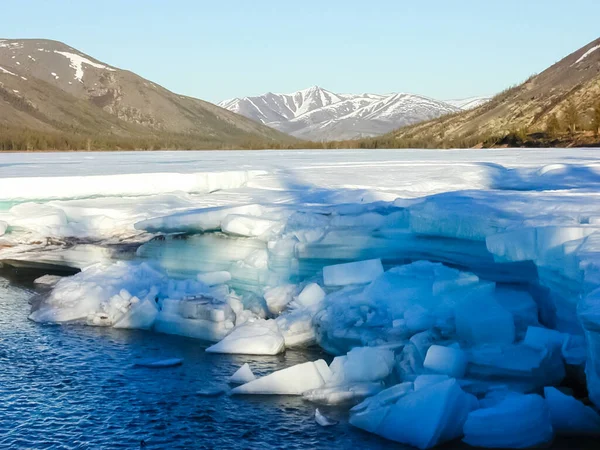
(214, 278)
(518, 421)
(142, 314)
(250, 226)
(260, 337)
(423, 381)
(385, 397)
(160, 364)
(337, 395)
(200, 317)
(294, 380)
(362, 364)
(569, 416)
(446, 360)
(323, 420)
(521, 305)
(277, 298)
(538, 337)
(47, 280)
(574, 350)
(530, 367)
(311, 296)
(481, 320)
(359, 272)
(242, 375)
(297, 328)
(440, 410)
(195, 221)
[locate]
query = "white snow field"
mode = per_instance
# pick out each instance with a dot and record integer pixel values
(459, 290)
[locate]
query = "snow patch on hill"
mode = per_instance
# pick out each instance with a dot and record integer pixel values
(77, 62)
(586, 54)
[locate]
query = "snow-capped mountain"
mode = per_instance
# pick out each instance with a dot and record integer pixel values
(468, 103)
(317, 114)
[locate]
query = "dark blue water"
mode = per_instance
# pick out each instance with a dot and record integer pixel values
(74, 387)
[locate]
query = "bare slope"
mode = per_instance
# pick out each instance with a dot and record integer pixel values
(49, 86)
(527, 108)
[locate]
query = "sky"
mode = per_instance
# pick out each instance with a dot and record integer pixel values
(221, 49)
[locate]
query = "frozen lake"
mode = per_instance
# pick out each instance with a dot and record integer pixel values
(509, 223)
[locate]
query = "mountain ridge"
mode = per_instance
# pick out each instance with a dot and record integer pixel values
(320, 115)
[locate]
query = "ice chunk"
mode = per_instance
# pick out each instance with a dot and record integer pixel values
(47, 280)
(3, 227)
(423, 381)
(538, 337)
(201, 317)
(242, 375)
(277, 298)
(362, 364)
(521, 305)
(385, 397)
(440, 410)
(294, 380)
(161, 363)
(324, 421)
(141, 314)
(481, 320)
(359, 272)
(337, 395)
(297, 328)
(574, 350)
(569, 416)
(103, 293)
(250, 226)
(446, 360)
(518, 421)
(311, 296)
(260, 337)
(214, 278)
(589, 315)
(530, 367)
(206, 219)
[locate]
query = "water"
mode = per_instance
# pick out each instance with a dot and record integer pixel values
(74, 387)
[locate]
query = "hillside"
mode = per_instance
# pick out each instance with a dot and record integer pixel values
(555, 108)
(49, 87)
(319, 115)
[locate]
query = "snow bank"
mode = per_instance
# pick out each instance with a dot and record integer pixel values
(61, 187)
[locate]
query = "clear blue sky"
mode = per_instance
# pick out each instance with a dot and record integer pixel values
(228, 48)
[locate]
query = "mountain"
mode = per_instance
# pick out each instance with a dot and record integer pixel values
(317, 114)
(51, 87)
(468, 103)
(568, 91)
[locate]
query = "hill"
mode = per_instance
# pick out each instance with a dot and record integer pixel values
(52, 90)
(558, 107)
